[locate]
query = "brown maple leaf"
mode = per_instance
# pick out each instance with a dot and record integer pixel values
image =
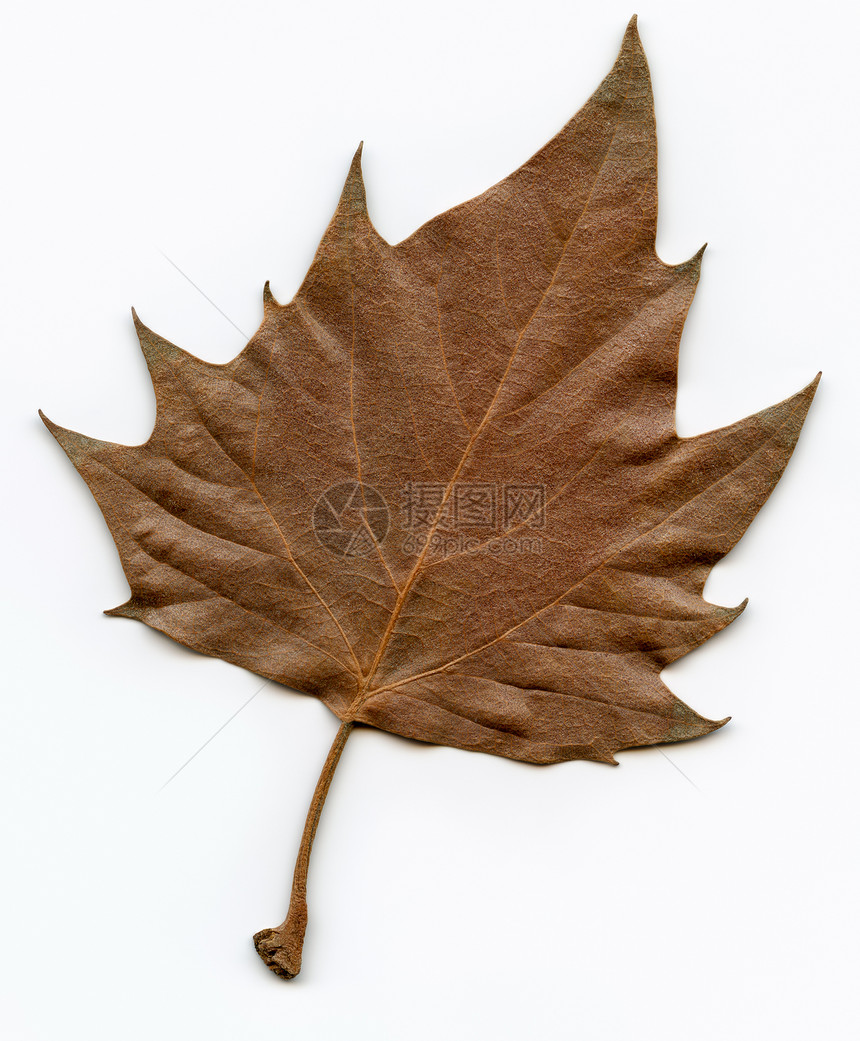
(441, 489)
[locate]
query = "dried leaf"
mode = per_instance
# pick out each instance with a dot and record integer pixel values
(441, 489)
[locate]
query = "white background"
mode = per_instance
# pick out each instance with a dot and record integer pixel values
(705, 891)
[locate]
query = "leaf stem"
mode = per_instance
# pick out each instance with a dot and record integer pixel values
(281, 948)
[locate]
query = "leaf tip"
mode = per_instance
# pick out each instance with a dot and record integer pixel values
(710, 725)
(269, 301)
(140, 328)
(695, 261)
(353, 189)
(804, 397)
(631, 33)
(355, 172)
(50, 424)
(152, 346)
(691, 267)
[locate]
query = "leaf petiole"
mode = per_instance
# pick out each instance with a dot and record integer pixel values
(281, 948)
